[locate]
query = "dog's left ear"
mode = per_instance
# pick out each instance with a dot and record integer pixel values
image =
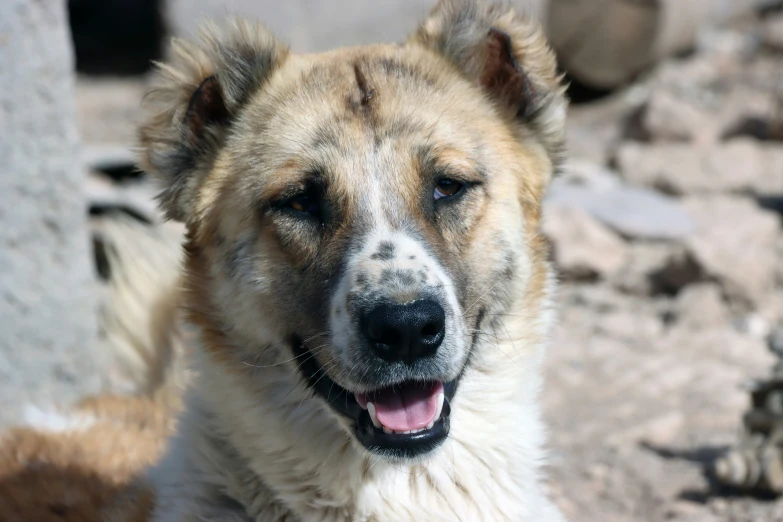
(508, 56)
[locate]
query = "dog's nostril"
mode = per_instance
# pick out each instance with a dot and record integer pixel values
(431, 329)
(384, 335)
(406, 332)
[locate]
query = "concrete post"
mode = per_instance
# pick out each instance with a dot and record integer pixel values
(47, 299)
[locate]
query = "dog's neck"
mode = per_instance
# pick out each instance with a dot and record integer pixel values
(268, 447)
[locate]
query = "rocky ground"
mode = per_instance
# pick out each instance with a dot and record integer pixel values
(667, 231)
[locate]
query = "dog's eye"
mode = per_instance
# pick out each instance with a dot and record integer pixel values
(447, 188)
(304, 203)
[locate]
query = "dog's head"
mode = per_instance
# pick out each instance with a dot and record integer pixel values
(356, 216)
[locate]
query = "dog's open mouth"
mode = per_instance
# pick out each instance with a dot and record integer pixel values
(405, 420)
(405, 408)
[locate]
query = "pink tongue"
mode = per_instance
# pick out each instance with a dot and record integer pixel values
(404, 407)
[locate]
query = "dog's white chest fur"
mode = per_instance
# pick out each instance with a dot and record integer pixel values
(286, 459)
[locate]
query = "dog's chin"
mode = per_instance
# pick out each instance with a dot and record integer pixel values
(405, 421)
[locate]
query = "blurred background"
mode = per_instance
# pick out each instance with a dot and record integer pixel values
(663, 394)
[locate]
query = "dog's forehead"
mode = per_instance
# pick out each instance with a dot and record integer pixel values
(370, 122)
(356, 99)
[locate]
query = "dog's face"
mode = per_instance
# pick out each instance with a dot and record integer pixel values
(357, 215)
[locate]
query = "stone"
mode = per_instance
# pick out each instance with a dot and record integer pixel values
(629, 325)
(772, 32)
(679, 270)
(742, 166)
(697, 100)
(47, 294)
(646, 261)
(700, 306)
(775, 340)
(670, 118)
(633, 212)
(593, 130)
(753, 325)
(584, 248)
(735, 245)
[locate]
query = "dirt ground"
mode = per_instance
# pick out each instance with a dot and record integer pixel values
(667, 231)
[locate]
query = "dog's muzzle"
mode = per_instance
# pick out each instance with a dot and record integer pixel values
(407, 418)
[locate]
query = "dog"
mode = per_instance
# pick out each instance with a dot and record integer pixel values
(365, 274)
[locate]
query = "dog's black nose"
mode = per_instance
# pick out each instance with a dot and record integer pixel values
(405, 332)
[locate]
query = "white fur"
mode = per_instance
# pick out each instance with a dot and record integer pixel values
(269, 443)
(55, 421)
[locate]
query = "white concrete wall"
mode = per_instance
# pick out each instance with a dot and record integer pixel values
(315, 25)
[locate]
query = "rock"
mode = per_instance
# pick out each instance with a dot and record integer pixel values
(47, 299)
(684, 104)
(773, 32)
(593, 130)
(689, 511)
(698, 99)
(633, 212)
(727, 43)
(607, 46)
(741, 166)
(734, 244)
(646, 260)
(700, 306)
(670, 118)
(584, 249)
(679, 270)
(753, 325)
(775, 340)
(629, 325)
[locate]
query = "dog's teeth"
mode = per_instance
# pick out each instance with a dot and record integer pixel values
(373, 415)
(430, 425)
(387, 430)
(441, 397)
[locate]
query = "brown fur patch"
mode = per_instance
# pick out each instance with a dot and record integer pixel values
(86, 474)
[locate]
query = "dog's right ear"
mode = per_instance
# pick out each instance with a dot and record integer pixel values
(191, 107)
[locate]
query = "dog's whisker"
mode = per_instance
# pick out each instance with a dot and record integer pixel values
(271, 345)
(255, 366)
(323, 374)
(513, 344)
(480, 298)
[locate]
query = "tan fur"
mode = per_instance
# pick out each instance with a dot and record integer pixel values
(86, 463)
(87, 473)
(235, 126)
(140, 314)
